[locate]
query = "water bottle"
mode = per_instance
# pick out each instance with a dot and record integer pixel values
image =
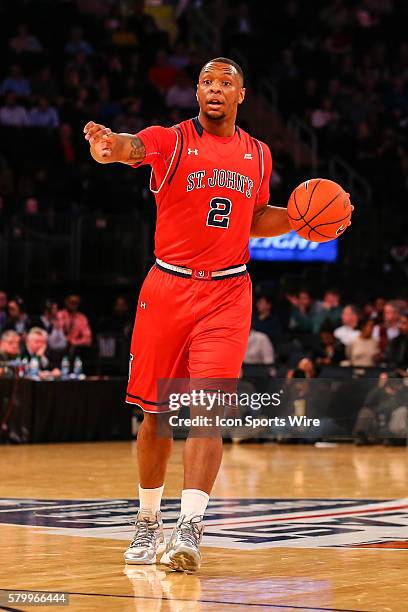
(23, 370)
(65, 368)
(33, 368)
(78, 367)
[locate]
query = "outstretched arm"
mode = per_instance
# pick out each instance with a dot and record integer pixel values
(107, 147)
(269, 221)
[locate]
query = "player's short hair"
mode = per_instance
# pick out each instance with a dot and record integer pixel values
(225, 60)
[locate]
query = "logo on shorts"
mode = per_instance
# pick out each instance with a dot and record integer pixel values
(245, 524)
(143, 305)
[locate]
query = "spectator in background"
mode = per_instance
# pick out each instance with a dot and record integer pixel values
(264, 321)
(3, 308)
(259, 350)
(389, 328)
(363, 351)
(377, 312)
(11, 113)
(302, 315)
(57, 340)
(384, 412)
(328, 311)
(182, 94)
(162, 74)
(17, 319)
(36, 345)
(43, 115)
(77, 43)
(396, 354)
(25, 42)
(120, 321)
(9, 345)
(329, 351)
(16, 83)
(74, 324)
(44, 84)
(348, 332)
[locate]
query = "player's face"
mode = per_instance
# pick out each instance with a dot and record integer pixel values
(219, 91)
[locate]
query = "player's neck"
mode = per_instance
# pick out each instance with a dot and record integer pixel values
(224, 128)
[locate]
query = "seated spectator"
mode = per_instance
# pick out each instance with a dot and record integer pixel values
(348, 332)
(74, 324)
(44, 84)
(363, 351)
(36, 345)
(77, 43)
(328, 311)
(57, 340)
(43, 115)
(11, 113)
(263, 320)
(3, 308)
(329, 351)
(162, 74)
(389, 328)
(396, 354)
(120, 321)
(25, 42)
(259, 349)
(16, 83)
(182, 94)
(302, 315)
(9, 345)
(17, 319)
(304, 369)
(385, 412)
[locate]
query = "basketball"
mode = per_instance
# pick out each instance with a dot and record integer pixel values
(319, 210)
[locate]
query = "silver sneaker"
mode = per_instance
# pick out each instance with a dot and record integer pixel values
(182, 552)
(148, 542)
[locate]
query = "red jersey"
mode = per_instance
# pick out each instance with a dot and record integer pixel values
(206, 189)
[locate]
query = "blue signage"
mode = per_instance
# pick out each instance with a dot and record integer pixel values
(291, 247)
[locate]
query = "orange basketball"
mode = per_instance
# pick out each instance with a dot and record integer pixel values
(319, 210)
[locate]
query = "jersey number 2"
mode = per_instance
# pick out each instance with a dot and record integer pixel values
(220, 210)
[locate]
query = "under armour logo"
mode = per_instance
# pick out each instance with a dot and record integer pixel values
(192, 152)
(143, 305)
(248, 156)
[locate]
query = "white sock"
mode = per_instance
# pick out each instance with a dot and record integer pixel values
(193, 502)
(150, 499)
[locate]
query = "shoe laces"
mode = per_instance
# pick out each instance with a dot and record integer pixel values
(145, 532)
(189, 531)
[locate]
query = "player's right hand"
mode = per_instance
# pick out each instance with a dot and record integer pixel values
(101, 139)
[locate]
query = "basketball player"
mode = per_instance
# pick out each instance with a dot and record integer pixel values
(211, 183)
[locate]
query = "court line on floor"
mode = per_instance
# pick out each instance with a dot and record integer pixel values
(205, 601)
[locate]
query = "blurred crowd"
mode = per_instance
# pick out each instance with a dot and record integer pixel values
(112, 63)
(299, 329)
(342, 66)
(60, 338)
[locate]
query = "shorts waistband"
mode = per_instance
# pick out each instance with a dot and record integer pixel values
(201, 274)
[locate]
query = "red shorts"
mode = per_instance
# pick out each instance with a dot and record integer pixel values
(187, 328)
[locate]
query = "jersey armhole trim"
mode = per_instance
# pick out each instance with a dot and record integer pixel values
(261, 164)
(179, 155)
(168, 169)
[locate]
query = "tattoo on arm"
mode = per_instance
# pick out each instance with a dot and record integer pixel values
(137, 151)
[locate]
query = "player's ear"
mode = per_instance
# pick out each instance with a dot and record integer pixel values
(242, 93)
